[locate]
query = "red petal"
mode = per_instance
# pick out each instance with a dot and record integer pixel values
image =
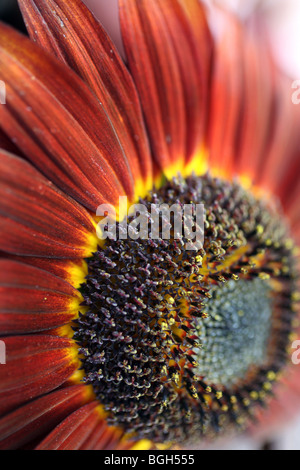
(282, 407)
(292, 203)
(99, 438)
(284, 147)
(288, 188)
(52, 116)
(39, 417)
(253, 124)
(70, 32)
(36, 218)
(111, 441)
(34, 300)
(258, 100)
(226, 92)
(160, 44)
(193, 45)
(241, 98)
(73, 271)
(109, 438)
(35, 365)
(72, 433)
(85, 429)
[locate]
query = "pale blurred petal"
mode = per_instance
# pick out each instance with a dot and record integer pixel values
(107, 13)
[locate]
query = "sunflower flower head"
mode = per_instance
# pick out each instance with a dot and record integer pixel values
(179, 343)
(133, 341)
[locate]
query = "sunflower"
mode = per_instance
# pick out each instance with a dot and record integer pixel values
(130, 343)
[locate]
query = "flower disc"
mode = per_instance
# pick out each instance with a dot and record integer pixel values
(178, 342)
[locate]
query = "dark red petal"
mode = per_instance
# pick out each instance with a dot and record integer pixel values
(53, 117)
(72, 433)
(71, 33)
(35, 365)
(160, 43)
(6, 143)
(39, 417)
(32, 299)
(36, 218)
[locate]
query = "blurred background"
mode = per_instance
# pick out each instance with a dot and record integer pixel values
(9, 13)
(281, 19)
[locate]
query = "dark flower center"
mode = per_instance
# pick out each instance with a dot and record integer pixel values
(179, 343)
